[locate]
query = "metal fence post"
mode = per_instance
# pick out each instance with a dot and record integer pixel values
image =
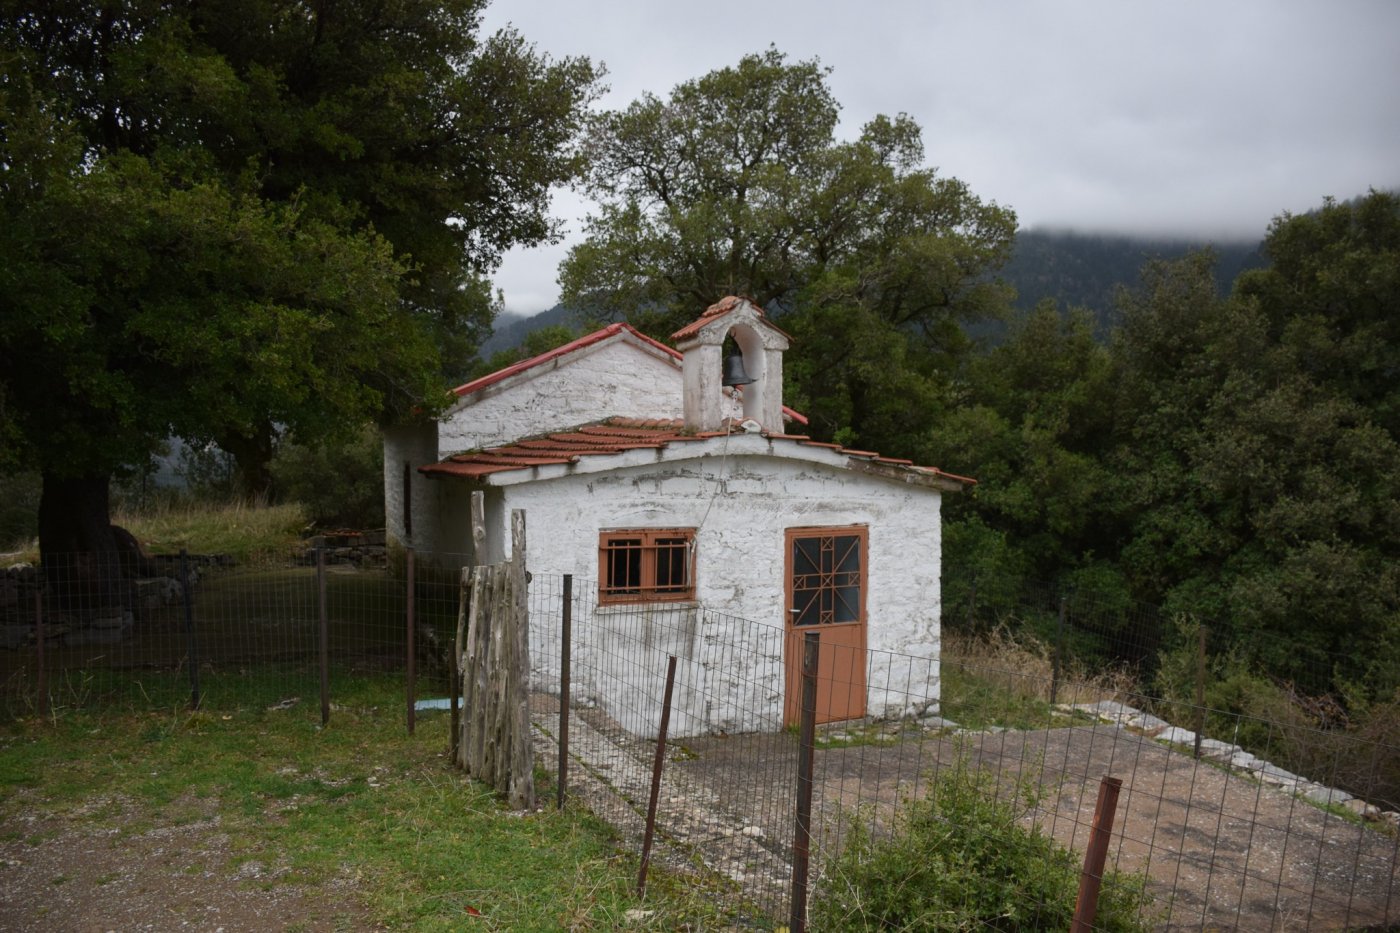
(41, 675)
(1086, 905)
(191, 643)
(1200, 687)
(656, 775)
(802, 831)
(412, 685)
(565, 662)
(1055, 657)
(324, 626)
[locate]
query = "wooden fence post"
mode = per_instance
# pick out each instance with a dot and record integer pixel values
(494, 637)
(517, 700)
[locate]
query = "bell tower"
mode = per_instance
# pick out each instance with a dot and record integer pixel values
(761, 345)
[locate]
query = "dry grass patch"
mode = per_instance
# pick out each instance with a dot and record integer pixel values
(1006, 679)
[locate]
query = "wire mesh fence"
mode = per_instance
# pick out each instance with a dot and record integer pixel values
(202, 630)
(965, 789)
(975, 810)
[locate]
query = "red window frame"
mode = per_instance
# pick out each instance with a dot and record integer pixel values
(646, 565)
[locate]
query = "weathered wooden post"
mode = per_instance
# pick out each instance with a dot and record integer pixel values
(517, 700)
(802, 833)
(494, 638)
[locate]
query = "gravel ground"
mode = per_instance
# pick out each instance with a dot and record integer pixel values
(1221, 852)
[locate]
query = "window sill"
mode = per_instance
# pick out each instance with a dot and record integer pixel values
(650, 605)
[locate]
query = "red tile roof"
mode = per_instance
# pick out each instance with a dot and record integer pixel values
(588, 340)
(723, 306)
(617, 435)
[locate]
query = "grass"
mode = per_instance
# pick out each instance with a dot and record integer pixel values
(1000, 680)
(361, 799)
(235, 528)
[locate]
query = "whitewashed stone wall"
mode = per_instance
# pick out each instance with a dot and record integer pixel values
(729, 642)
(611, 379)
(415, 445)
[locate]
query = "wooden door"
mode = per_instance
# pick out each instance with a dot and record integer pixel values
(826, 581)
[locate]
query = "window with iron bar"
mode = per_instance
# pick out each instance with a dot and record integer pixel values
(643, 565)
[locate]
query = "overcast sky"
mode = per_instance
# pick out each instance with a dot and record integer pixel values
(1193, 117)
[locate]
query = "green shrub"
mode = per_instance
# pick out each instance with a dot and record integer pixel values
(340, 484)
(963, 858)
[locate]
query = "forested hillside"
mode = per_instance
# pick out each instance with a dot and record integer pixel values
(1231, 453)
(1075, 270)
(1085, 270)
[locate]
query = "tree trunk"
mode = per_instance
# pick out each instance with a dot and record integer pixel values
(81, 560)
(253, 455)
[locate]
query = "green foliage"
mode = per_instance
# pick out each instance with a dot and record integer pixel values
(1032, 428)
(340, 485)
(1347, 740)
(1259, 492)
(1232, 455)
(736, 184)
(963, 858)
(223, 217)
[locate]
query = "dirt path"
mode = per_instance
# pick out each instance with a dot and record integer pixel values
(99, 869)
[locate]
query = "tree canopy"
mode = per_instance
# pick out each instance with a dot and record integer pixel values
(737, 184)
(1233, 457)
(221, 217)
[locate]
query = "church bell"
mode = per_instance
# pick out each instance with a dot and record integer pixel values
(734, 372)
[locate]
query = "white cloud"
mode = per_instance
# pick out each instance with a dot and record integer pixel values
(1181, 117)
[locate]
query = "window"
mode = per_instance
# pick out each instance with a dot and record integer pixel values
(826, 575)
(407, 499)
(642, 565)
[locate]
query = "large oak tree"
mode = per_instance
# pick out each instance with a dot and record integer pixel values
(738, 184)
(227, 218)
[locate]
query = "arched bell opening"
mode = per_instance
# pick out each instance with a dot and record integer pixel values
(750, 362)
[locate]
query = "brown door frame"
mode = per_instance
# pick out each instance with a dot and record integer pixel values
(844, 644)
